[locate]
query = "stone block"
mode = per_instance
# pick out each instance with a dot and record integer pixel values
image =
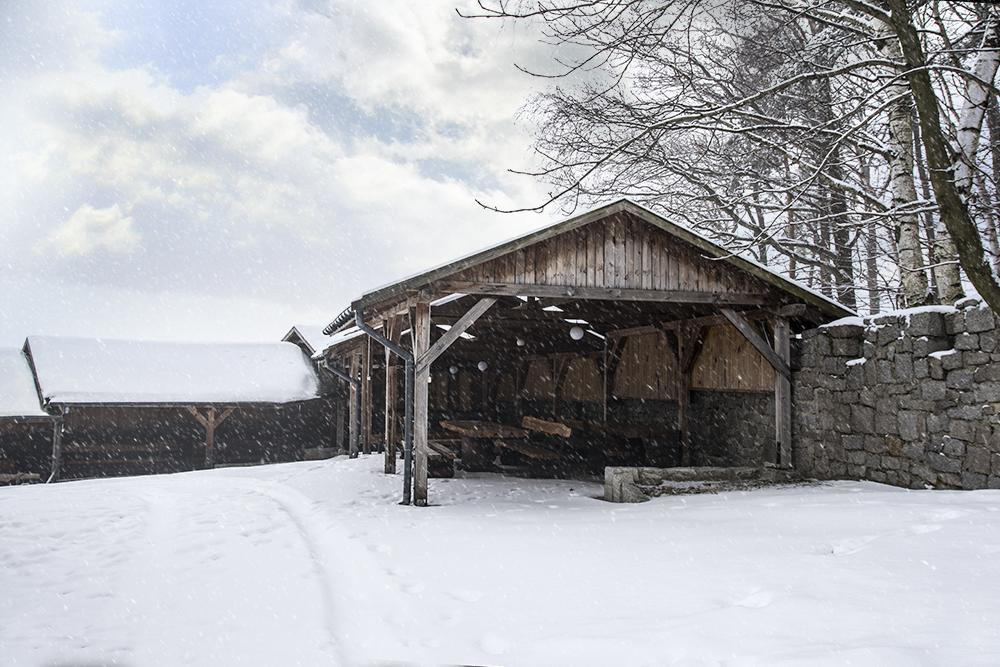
(950, 362)
(987, 392)
(954, 323)
(894, 445)
(988, 341)
(973, 480)
(966, 341)
(962, 430)
(952, 447)
(977, 459)
(862, 419)
(960, 379)
(925, 346)
(887, 334)
(846, 347)
(853, 442)
(975, 358)
(903, 367)
(933, 390)
(911, 425)
(949, 480)
(993, 482)
(926, 324)
(979, 319)
(844, 331)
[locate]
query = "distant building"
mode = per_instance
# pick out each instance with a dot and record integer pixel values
(135, 407)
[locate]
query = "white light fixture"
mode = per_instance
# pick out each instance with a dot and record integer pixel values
(429, 379)
(453, 370)
(520, 342)
(482, 365)
(576, 333)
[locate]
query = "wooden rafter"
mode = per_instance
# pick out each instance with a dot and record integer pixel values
(451, 335)
(755, 339)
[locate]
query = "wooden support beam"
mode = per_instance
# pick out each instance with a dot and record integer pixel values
(755, 339)
(353, 394)
(684, 394)
(392, 329)
(210, 421)
(367, 406)
(57, 437)
(421, 344)
(425, 360)
(783, 394)
(605, 293)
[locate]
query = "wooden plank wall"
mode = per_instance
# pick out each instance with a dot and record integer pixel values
(622, 252)
(583, 381)
(728, 362)
(648, 369)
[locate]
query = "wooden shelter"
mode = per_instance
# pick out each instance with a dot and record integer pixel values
(136, 407)
(612, 338)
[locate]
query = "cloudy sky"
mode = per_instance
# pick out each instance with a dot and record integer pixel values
(181, 169)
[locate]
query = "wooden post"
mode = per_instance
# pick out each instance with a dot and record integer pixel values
(366, 397)
(391, 435)
(352, 410)
(339, 412)
(57, 434)
(783, 394)
(209, 421)
(683, 396)
(421, 343)
(210, 438)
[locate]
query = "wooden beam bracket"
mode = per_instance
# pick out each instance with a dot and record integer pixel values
(755, 339)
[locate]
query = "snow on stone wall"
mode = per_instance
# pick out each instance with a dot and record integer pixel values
(910, 398)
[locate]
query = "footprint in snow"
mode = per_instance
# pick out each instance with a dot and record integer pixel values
(415, 588)
(466, 595)
(756, 600)
(851, 545)
(924, 528)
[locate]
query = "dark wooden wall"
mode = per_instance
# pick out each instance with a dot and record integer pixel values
(114, 441)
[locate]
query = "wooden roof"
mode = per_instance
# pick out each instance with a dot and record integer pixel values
(461, 271)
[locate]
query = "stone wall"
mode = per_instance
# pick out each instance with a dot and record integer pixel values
(732, 428)
(910, 398)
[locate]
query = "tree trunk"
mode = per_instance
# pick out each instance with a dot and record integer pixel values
(954, 211)
(904, 190)
(993, 123)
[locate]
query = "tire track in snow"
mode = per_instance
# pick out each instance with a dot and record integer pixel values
(296, 507)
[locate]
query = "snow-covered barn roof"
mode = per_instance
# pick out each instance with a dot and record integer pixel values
(18, 395)
(310, 334)
(102, 371)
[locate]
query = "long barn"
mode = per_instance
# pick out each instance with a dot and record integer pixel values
(125, 407)
(613, 338)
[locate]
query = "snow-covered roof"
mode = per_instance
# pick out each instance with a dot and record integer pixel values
(313, 336)
(95, 370)
(341, 337)
(18, 396)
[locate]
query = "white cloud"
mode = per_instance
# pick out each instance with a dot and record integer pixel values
(249, 188)
(92, 229)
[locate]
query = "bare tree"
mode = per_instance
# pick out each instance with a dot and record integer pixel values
(778, 124)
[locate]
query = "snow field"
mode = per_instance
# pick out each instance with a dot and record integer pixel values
(315, 563)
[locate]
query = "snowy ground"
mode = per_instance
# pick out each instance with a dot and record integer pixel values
(313, 563)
